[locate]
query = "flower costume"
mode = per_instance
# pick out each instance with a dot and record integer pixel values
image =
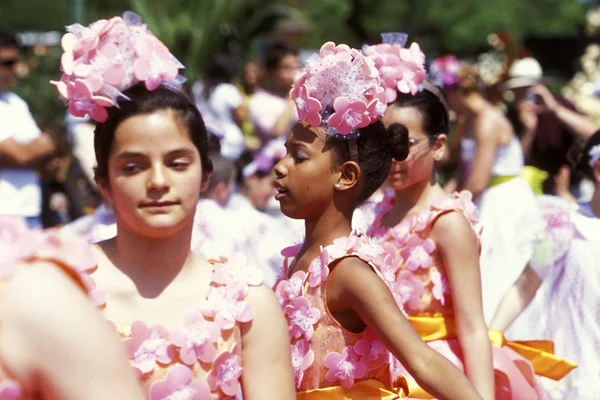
(19, 247)
(330, 361)
(202, 358)
(565, 306)
(421, 286)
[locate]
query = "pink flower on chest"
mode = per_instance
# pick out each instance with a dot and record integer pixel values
(302, 358)
(418, 252)
(288, 290)
(10, 390)
(422, 220)
(440, 285)
(301, 318)
(409, 289)
(147, 346)
(226, 305)
(371, 252)
(225, 373)
(400, 233)
(388, 269)
(196, 341)
(318, 270)
(344, 367)
(237, 269)
(371, 349)
(179, 385)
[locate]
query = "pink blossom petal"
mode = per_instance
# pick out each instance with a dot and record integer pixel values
(115, 74)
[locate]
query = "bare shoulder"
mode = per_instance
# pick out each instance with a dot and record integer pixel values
(352, 275)
(452, 224)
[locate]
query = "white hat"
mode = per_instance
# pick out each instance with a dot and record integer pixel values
(524, 72)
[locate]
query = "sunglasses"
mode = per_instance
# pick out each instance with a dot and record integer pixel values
(8, 63)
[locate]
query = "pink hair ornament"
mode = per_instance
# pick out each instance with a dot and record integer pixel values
(401, 69)
(444, 71)
(104, 59)
(340, 88)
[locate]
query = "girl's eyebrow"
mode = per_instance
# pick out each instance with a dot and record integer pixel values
(134, 154)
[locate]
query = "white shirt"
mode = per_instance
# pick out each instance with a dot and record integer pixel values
(218, 109)
(20, 191)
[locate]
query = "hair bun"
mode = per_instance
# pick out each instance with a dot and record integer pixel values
(399, 140)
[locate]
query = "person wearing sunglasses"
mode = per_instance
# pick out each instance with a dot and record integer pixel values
(23, 147)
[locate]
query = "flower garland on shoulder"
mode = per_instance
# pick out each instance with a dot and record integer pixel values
(101, 61)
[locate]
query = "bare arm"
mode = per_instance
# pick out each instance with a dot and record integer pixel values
(460, 259)
(371, 299)
(25, 155)
(486, 138)
(266, 350)
(581, 125)
(516, 299)
(50, 340)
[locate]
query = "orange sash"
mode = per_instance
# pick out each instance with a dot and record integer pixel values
(539, 352)
(361, 390)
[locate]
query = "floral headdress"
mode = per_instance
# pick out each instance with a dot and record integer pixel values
(339, 87)
(400, 69)
(445, 71)
(109, 56)
(594, 155)
(265, 160)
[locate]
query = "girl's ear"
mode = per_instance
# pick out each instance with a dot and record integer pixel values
(349, 176)
(205, 181)
(439, 147)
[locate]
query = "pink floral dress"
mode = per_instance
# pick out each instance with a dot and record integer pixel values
(420, 284)
(201, 359)
(18, 246)
(328, 359)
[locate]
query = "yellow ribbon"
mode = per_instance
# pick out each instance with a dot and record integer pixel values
(539, 352)
(500, 179)
(535, 177)
(361, 390)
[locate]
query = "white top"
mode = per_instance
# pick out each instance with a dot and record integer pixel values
(265, 108)
(218, 110)
(20, 191)
(508, 160)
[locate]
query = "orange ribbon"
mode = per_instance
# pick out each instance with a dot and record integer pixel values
(361, 390)
(539, 352)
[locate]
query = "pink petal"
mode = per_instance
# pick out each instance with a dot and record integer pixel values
(225, 320)
(179, 376)
(202, 389)
(82, 88)
(327, 48)
(99, 114)
(82, 70)
(230, 388)
(103, 101)
(141, 68)
(67, 63)
(115, 74)
(244, 311)
(160, 390)
(62, 89)
(341, 104)
(332, 360)
(207, 353)
(152, 83)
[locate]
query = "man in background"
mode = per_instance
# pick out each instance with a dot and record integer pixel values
(22, 145)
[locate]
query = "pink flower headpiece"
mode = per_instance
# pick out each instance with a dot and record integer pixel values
(444, 71)
(266, 159)
(400, 69)
(101, 61)
(339, 87)
(594, 155)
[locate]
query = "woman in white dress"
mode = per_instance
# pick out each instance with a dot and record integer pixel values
(491, 162)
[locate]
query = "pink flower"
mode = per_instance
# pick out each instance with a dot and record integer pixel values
(400, 233)
(147, 346)
(422, 221)
(237, 269)
(409, 289)
(179, 385)
(371, 349)
(344, 367)
(418, 252)
(68, 251)
(342, 245)
(302, 359)
(413, 69)
(348, 115)
(226, 305)
(440, 285)
(10, 390)
(225, 373)
(196, 340)
(309, 108)
(155, 63)
(444, 71)
(371, 252)
(17, 243)
(329, 48)
(290, 289)
(387, 269)
(291, 251)
(301, 318)
(82, 100)
(318, 270)
(96, 296)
